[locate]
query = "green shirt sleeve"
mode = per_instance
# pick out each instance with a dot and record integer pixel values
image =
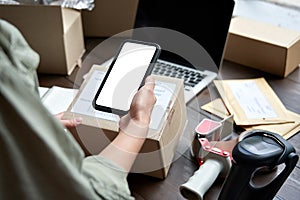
(104, 175)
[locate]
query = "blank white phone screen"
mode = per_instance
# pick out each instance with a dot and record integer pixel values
(126, 76)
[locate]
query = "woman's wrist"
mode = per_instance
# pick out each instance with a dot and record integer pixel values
(135, 127)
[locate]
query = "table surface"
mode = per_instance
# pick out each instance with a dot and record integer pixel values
(184, 165)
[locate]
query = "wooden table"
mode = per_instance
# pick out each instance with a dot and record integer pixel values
(183, 167)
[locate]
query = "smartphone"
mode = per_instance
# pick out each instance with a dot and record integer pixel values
(126, 74)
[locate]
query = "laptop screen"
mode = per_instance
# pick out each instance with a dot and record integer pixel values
(205, 21)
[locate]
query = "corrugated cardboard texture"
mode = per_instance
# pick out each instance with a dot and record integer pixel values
(263, 46)
(109, 17)
(158, 150)
(53, 32)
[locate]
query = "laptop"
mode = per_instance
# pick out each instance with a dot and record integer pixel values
(205, 21)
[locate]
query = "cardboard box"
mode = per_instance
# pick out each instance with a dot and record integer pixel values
(96, 132)
(263, 46)
(109, 17)
(53, 32)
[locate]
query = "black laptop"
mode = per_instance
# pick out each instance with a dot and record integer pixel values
(205, 21)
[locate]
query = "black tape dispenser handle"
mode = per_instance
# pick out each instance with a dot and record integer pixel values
(258, 149)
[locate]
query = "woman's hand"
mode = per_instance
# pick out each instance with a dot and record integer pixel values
(143, 102)
(136, 122)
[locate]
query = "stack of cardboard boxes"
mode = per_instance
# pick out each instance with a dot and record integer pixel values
(57, 33)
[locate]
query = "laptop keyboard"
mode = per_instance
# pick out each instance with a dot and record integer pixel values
(191, 77)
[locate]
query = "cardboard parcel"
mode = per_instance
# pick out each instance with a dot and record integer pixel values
(168, 122)
(55, 33)
(263, 46)
(109, 17)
